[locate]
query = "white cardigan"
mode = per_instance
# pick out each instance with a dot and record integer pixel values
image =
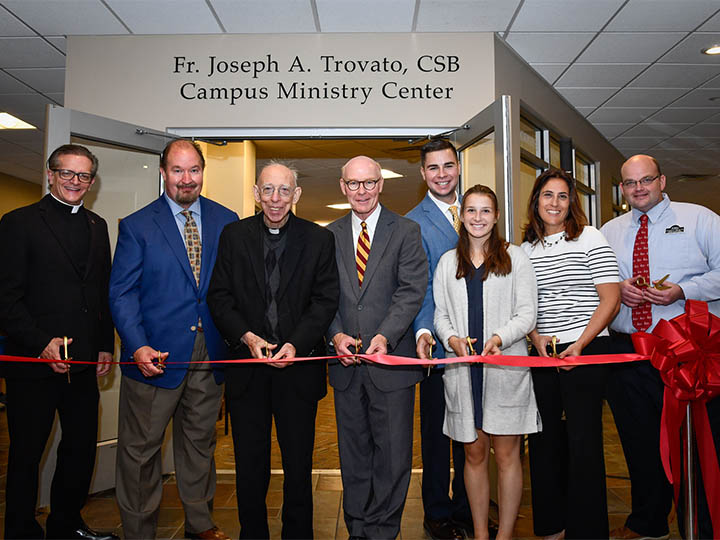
(509, 310)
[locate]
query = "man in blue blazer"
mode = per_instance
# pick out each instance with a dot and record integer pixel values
(437, 215)
(160, 276)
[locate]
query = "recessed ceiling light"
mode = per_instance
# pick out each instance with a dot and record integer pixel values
(340, 206)
(145, 166)
(8, 121)
(713, 49)
(387, 173)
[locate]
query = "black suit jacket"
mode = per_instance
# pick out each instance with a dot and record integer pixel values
(307, 298)
(43, 294)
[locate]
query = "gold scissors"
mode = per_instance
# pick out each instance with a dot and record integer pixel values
(642, 282)
(470, 346)
(161, 362)
(432, 342)
(65, 345)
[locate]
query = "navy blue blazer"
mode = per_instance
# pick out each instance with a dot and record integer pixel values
(438, 236)
(154, 298)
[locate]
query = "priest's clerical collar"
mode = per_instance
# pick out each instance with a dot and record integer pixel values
(75, 208)
(272, 230)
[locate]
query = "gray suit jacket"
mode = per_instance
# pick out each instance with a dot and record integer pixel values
(389, 299)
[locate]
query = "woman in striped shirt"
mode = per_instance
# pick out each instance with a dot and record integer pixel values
(578, 296)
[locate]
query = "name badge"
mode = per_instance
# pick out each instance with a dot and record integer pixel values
(675, 229)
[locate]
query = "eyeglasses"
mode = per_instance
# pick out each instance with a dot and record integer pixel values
(354, 185)
(284, 191)
(67, 174)
(630, 184)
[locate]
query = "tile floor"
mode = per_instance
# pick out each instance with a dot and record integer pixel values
(101, 511)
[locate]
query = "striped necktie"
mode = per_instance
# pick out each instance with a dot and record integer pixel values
(363, 252)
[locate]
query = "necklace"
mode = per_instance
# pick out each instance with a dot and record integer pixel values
(551, 244)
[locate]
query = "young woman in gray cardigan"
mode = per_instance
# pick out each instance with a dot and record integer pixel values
(485, 290)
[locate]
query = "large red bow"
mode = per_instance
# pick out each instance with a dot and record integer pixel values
(686, 351)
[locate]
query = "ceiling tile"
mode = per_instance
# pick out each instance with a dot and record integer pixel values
(585, 110)
(24, 102)
(548, 47)
(662, 15)
(705, 130)
(28, 52)
(166, 16)
(549, 72)
(672, 115)
(554, 16)
(690, 50)
(637, 142)
(682, 144)
(67, 17)
(586, 97)
(712, 83)
(365, 15)
(624, 48)
(18, 171)
(675, 76)
(261, 16)
(463, 15)
(619, 115)
(616, 75)
(10, 26)
(645, 97)
(42, 80)
(700, 98)
(58, 41)
(712, 25)
(612, 130)
(647, 129)
(9, 85)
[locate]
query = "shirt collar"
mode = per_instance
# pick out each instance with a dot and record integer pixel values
(443, 206)
(75, 207)
(175, 208)
(655, 212)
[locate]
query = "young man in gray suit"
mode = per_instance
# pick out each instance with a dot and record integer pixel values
(383, 277)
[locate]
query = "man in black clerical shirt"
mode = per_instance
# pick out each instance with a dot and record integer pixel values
(54, 290)
(273, 293)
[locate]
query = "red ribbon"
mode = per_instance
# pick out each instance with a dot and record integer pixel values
(686, 351)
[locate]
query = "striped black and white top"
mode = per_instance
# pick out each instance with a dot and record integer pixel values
(567, 273)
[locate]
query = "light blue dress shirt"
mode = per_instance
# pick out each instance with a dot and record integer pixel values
(683, 241)
(180, 220)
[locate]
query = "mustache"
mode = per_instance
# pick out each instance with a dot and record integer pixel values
(190, 185)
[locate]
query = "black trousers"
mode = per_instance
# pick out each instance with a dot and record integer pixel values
(567, 464)
(31, 407)
(635, 395)
(436, 447)
(251, 415)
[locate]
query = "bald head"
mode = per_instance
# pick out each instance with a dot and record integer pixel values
(362, 183)
(276, 190)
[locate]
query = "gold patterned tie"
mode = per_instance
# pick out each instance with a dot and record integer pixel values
(456, 218)
(192, 244)
(363, 252)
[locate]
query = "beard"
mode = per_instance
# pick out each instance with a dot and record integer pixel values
(182, 197)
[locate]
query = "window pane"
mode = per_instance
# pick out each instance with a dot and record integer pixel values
(530, 138)
(478, 163)
(554, 153)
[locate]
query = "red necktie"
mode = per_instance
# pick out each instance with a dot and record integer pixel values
(363, 252)
(642, 315)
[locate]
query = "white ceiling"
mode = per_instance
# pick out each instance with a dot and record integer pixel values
(632, 67)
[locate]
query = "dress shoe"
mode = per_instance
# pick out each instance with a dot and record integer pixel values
(211, 534)
(442, 529)
(624, 533)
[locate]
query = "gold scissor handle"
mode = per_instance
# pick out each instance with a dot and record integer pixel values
(553, 344)
(65, 346)
(470, 346)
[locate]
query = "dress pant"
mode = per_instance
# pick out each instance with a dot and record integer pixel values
(272, 394)
(567, 464)
(635, 394)
(145, 412)
(436, 447)
(31, 407)
(375, 447)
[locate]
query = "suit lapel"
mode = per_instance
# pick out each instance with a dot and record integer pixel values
(168, 226)
(255, 251)
(383, 232)
(438, 220)
(54, 231)
(346, 243)
(209, 237)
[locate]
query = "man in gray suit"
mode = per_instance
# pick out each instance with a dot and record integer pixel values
(383, 276)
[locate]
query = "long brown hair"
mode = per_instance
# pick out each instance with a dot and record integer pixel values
(534, 229)
(497, 259)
